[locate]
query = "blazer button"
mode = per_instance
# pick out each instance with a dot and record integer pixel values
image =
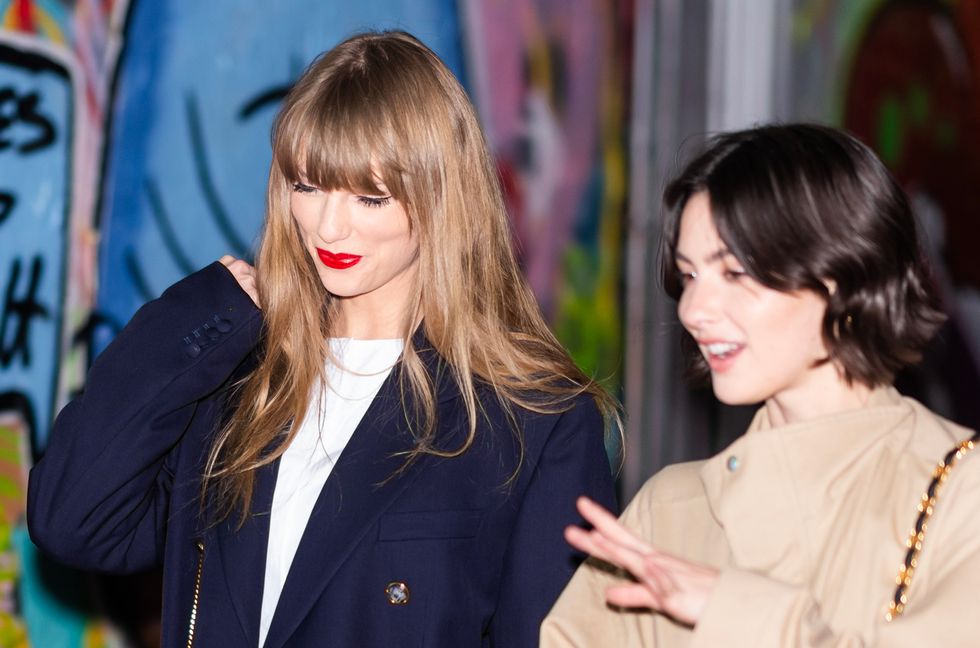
(193, 350)
(222, 324)
(397, 593)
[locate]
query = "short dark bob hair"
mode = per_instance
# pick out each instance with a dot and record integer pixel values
(807, 207)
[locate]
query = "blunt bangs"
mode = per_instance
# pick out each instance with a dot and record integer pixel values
(338, 149)
(344, 132)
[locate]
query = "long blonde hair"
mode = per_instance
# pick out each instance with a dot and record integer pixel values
(383, 106)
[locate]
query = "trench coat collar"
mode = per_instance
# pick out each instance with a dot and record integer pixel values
(778, 483)
(365, 481)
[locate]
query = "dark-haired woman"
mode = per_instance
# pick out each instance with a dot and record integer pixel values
(371, 439)
(794, 257)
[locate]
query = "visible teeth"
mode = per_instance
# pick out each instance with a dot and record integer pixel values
(721, 348)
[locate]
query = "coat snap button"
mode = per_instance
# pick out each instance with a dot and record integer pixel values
(732, 463)
(193, 350)
(397, 593)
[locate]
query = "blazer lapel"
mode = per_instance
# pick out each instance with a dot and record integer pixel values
(360, 488)
(243, 553)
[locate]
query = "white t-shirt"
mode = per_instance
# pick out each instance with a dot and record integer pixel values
(362, 366)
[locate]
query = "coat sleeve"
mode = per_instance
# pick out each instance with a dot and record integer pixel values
(751, 610)
(539, 562)
(581, 618)
(748, 609)
(99, 497)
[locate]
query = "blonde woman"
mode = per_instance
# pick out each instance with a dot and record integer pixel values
(369, 439)
(846, 516)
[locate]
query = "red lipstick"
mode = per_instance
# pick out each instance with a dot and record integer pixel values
(337, 260)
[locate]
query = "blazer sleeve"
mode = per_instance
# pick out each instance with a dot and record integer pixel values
(99, 497)
(538, 562)
(581, 618)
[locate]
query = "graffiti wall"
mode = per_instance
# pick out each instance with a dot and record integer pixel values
(550, 77)
(45, 136)
(188, 150)
(134, 148)
(905, 78)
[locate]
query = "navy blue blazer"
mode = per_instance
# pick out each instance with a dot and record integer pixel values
(482, 560)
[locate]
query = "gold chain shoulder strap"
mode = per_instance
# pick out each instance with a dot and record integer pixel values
(918, 534)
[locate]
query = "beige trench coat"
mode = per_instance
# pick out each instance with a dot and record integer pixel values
(808, 524)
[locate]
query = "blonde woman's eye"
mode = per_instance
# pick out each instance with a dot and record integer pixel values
(374, 201)
(299, 187)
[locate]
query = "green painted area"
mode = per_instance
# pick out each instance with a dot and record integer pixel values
(9, 488)
(588, 321)
(851, 20)
(10, 455)
(888, 131)
(917, 104)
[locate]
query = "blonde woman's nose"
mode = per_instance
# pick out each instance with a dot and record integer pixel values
(334, 220)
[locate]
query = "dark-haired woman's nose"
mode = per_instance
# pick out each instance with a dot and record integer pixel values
(699, 306)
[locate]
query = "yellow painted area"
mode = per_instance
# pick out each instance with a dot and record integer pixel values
(12, 475)
(47, 25)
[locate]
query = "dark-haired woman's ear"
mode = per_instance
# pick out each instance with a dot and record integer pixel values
(244, 274)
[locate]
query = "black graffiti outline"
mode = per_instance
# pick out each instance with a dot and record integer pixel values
(132, 267)
(25, 309)
(83, 339)
(218, 211)
(19, 403)
(7, 203)
(162, 219)
(25, 111)
(269, 97)
(37, 64)
(272, 95)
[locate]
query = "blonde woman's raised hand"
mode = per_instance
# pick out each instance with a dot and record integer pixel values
(244, 274)
(666, 583)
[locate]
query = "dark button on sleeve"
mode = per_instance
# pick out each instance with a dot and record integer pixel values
(222, 324)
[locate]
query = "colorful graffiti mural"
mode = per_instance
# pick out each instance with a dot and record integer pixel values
(188, 154)
(36, 126)
(48, 145)
(914, 93)
(134, 149)
(549, 78)
(905, 78)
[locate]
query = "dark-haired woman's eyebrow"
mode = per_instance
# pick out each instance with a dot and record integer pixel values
(719, 255)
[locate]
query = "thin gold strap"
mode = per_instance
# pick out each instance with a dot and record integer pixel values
(918, 534)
